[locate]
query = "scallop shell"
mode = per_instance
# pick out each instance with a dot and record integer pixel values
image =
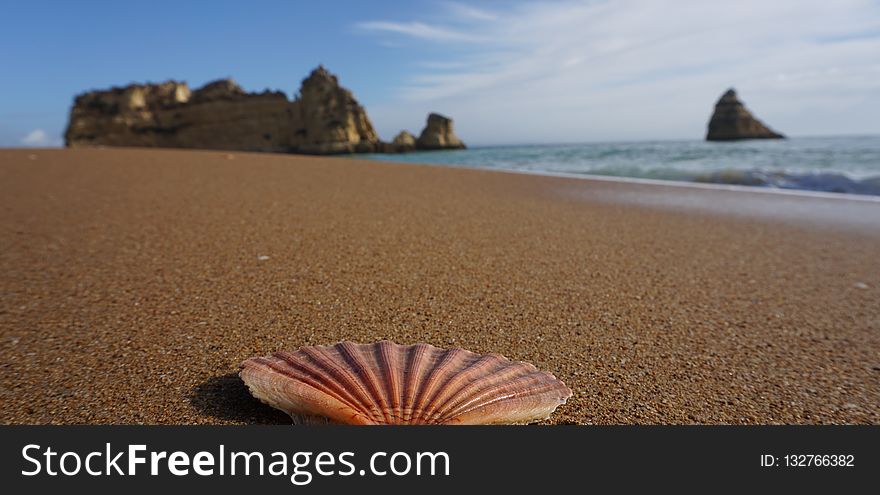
(387, 383)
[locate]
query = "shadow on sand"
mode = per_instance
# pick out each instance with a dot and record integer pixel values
(227, 398)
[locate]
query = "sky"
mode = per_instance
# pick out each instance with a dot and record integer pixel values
(507, 72)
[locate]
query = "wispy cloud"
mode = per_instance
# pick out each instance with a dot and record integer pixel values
(417, 30)
(38, 138)
(573, 70)
(468, 12)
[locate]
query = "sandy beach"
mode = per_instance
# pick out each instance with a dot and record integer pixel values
(135, 281)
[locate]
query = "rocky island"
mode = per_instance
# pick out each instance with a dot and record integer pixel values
(438, 134)
(323, 119)
(731, 121)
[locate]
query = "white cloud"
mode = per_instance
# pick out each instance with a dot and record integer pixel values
(417, 30)
(640, 69)
(38, 138)
(465, 12)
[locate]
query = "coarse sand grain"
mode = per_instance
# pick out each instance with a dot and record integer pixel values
(135, 281)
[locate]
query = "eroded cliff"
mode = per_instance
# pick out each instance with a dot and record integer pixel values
(324, 118)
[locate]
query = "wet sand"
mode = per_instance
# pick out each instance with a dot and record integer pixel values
(134, 281)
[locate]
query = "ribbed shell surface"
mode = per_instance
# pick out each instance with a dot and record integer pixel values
(387, 383)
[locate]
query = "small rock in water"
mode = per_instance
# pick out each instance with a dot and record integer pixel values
(861, 285)
(262, 257)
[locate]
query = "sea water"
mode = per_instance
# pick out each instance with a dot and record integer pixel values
(829, 164)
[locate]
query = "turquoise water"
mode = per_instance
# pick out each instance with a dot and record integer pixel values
(833, 164)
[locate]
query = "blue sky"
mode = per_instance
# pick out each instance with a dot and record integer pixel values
(506, 71)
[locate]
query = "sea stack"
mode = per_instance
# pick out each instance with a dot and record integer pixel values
(731, 121)
(327, 119)
(438, 134)
(404, 142)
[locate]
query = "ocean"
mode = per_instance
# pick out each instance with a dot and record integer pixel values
(848, 165)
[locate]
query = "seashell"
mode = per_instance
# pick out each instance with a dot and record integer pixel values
(387, 383)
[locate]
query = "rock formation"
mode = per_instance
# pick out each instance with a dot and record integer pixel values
(329, 120)
(220, 115)
(222, 89)
(404, 142)
(732, 121)
(438, 134)
(325, 118)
